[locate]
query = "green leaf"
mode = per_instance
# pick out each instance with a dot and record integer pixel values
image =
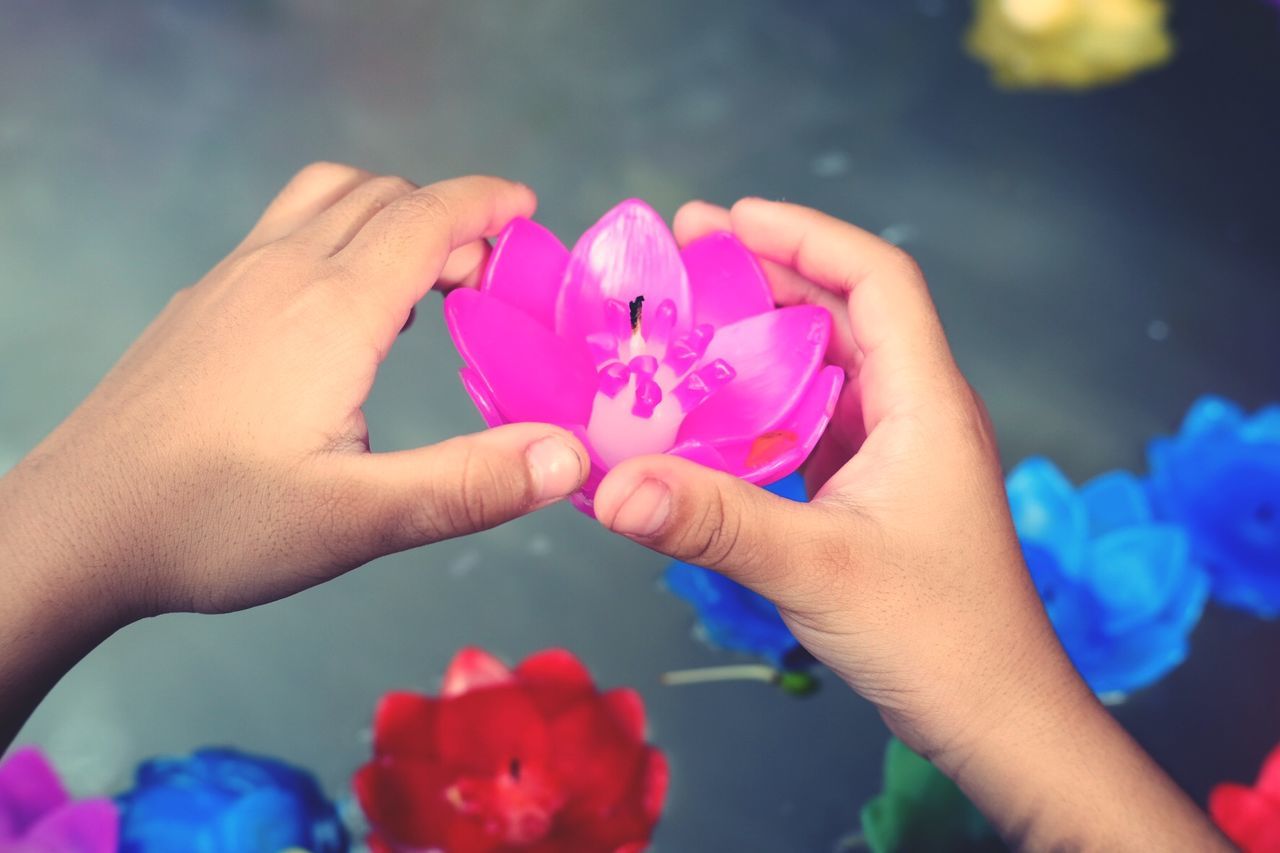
(920, 809)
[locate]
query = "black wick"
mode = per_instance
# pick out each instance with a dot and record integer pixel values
(636, 306)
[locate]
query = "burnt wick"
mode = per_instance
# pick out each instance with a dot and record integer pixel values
(637, 307)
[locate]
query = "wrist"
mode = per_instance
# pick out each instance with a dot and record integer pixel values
(1056, 771)
(63, 558)
(60, 598)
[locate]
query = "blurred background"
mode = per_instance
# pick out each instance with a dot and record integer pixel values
(1101, 257)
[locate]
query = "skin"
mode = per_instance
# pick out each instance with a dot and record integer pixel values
(224, 461)
(904, 574)
(180, 485)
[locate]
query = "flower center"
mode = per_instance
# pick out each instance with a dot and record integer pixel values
(516, 805)
(648, 379)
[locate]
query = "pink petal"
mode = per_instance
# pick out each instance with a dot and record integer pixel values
(704, 454)
(471, 668)
(89, 826)
(630, 252)
(530, 373)
(767, 459)
(776, 357)
(725, 279)
(628, 708)
(479, 393)
(29, 789)
(526, 268)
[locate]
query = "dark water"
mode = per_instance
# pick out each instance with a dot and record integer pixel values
(1100, 260)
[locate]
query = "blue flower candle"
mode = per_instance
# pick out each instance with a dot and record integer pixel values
(1120, 587)
(224, 801)
(1219, 478)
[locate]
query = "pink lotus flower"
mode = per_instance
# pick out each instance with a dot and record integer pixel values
(37, 815)
(640, 347)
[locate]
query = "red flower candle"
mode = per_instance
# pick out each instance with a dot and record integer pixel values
(530, 759)
(1250, 817)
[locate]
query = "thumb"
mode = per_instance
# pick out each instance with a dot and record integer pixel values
(708, 518)
(466, 484)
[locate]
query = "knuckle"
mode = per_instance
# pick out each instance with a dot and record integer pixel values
(967, 421)
(388, 186)
(472, 508)
(271, 254)
(713, 536)
(323, 172)
(905, 265)
(270, 257)
(180, 296)
(979, 423)
(280, 263)
(426, 203)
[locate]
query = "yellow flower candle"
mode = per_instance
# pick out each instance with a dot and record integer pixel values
(1069, 44)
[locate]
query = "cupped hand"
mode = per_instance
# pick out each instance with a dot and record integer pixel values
(225, 460)
(903, 575)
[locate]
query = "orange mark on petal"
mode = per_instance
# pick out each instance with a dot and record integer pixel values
(769, 446)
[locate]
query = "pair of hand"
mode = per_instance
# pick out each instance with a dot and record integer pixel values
(224, 462)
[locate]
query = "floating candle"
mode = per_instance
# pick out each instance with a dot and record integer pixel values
(640, 347)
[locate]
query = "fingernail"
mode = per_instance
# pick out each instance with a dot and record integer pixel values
(555, 468)
(645, 511)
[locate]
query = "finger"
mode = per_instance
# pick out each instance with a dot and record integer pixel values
(332, 230)
(906, 362)
(463, 269)
(791, 288)
(708, 518)
(310, 192)
(697, 219)
(408, 498)
(398, 256)
(465, 266)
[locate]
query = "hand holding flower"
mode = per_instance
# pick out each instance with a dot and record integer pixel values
(904, 574)
(225, 462)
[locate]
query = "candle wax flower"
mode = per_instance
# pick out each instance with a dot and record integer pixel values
(1121, 588)
(919, 808)
(638, 347)
(1250, 817)
(1069, 44)
(226, 801)
(1219, 479)
(38, 816)
(533, 758)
